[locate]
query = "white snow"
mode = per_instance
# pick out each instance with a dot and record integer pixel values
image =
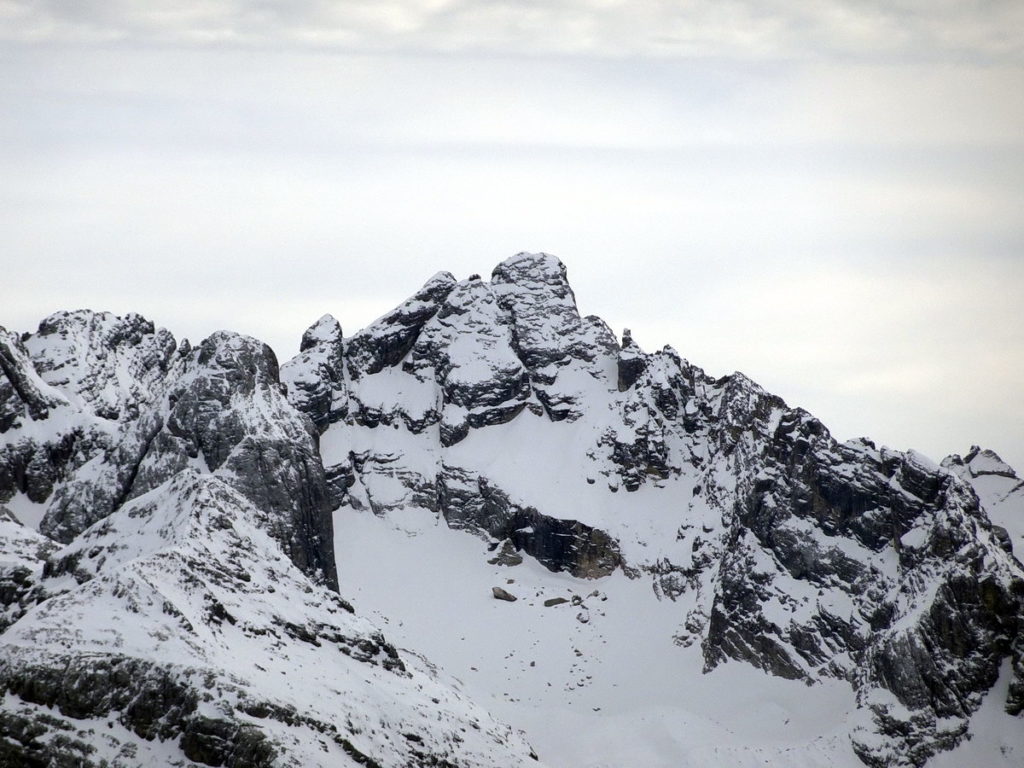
(28, 512)
(988, 463)
(1000, 491)
(615, 691)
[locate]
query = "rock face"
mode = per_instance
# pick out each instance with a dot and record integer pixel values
(69, 391)
(220, 409)
(999, 489)
(107, 364)
(387, 341)
(316, 378)
(193, 490)
(557, 346)
(23, 394)
(24, 552)
(560, 545)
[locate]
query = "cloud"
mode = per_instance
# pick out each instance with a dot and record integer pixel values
(752, 29)
(824, 195)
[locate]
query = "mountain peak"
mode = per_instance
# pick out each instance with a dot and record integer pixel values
(984, 461)
(326, 330)
(539, 273)
(107, 363)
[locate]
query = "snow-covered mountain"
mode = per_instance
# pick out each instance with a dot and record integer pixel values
(629, 562)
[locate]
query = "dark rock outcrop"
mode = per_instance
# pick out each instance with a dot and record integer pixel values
(316, 377)
(503, 594)
(549, 336)
(22, 393)
(384, 343)
(96, 371)
(472, 502)
(110, 364)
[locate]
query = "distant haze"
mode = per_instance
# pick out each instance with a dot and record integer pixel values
(828, 197)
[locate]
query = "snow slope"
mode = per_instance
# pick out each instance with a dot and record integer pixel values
(596, 684)
(184, 590)
(615, 690)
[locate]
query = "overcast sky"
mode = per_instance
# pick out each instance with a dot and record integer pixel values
(827, 196)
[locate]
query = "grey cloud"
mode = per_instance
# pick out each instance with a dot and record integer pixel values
(989, 31)
(284, 101)
(246, 166)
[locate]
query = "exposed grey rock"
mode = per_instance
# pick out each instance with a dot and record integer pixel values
(798, 555)
(33, 467)
(999, 489)
(790, 505)
(221, 410)
(23, 553)
(152, 701)
(389, 339)
(368, 467)
(316, 377)
(467, 348)
(502, 594)
(110, 364)
(507, 555)
(632, 361)
(807, 490)
(549, 335)
(99, 371)
(22, 392)
(559, 545)
(658, 402)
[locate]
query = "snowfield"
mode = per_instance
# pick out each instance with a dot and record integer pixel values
(615, 691)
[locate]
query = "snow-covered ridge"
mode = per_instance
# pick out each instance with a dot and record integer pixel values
(231, 655)
(999, 489)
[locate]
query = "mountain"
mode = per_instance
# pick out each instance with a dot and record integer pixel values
(688, 571)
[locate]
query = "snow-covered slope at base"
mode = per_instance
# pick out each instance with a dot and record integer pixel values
(997, 738)
(544, 464)
(182, 595)
(611, 691)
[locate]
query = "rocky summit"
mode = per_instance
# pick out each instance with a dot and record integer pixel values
(482, 531)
